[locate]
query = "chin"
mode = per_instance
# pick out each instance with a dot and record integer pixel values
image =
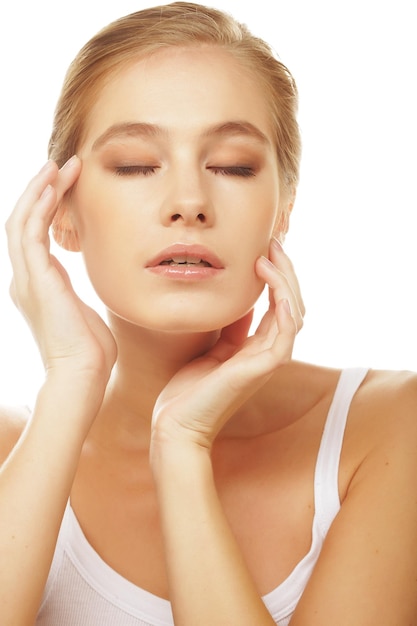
(185, 325)
(190, 321)
(202, 313)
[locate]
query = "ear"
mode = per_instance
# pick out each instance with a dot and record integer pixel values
(283, 219)
(63, 228)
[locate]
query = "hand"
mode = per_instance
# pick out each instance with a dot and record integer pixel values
(204, 394)
(71, 337)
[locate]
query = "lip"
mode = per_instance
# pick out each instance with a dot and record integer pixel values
(186, 250)
(211, 266)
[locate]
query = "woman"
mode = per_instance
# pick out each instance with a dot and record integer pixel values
(174, 471)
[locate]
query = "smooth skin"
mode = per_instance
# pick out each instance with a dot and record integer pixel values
(173, 441)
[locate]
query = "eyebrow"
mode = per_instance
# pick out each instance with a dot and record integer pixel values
(236, 128)
(127, 129)
(142, 129)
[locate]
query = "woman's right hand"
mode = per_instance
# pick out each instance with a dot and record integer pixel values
(73, 339)
(78, 352)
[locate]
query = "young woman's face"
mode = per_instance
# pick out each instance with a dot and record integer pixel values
(179, 190)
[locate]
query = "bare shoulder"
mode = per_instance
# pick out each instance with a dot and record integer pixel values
(12, 422)
(382, 418)
(390, 397)
(382, 428)
(391, 381)
(384, 398)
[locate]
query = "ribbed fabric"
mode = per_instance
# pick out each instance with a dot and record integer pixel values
(82, 590)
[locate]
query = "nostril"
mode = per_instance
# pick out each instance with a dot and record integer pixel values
(177, 216)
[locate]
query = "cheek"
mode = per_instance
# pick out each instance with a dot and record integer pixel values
(101, 239)
(97, 211)
(257, 223)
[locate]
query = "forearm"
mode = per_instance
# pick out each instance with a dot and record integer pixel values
(35, 483)
(208, 578)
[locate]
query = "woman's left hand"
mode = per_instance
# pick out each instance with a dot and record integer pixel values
(202, 396)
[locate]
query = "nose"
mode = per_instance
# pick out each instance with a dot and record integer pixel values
(187, 200)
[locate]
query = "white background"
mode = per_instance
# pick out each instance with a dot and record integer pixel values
(353, 231)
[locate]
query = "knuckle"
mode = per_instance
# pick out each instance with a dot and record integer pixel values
(12, 292)
(20, 294)
(9, 224)
(290, 264)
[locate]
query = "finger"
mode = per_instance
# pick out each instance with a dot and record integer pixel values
(28, 226)
(276, 341)
(68, 174)
(32, 193)
(35, 235)
(284, 264)
(280, 288)
(30, 254)
(265, 352)
(17, 220)
(64, 180)
(61, 179)
(283, 344)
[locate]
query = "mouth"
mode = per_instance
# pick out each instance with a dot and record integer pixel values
(186, 256)
(186, 260)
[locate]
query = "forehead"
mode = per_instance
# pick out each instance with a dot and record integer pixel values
(184, 90)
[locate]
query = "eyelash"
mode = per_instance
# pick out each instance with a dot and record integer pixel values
(148, 170)
(132, 170)
(235, 170)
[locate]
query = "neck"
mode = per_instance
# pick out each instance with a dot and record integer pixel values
(146, 361)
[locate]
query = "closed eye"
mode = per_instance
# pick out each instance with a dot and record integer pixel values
(135, 170)
(234, 170)
(147, 170)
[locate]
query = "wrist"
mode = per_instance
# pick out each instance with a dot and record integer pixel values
(172, 432)
(79, 384)
(68, 398)
(171, 457)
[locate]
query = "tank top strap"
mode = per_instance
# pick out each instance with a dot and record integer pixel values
(326, 484)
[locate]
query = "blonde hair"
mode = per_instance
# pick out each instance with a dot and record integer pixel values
(178, 24)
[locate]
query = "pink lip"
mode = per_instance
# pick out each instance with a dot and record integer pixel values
(209, 268)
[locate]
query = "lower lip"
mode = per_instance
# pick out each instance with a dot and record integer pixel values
(185, 272)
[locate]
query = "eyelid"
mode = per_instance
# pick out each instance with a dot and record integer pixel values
(132, 170)
(244, 171)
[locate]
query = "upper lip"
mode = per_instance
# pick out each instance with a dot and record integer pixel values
(186, 251)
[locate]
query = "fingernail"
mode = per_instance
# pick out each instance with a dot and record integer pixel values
(277, 244)
(70, 162)
(268, 263)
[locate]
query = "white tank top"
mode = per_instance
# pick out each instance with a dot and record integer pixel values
(82, 590)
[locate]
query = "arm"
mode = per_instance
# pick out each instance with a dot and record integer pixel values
(35, 482)
(208, 577)
(78, 352)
